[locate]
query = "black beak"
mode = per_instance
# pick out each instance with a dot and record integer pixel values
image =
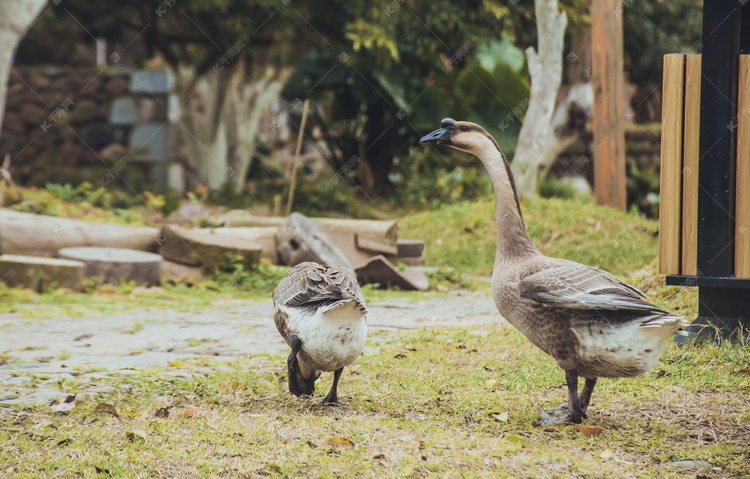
(441, 136)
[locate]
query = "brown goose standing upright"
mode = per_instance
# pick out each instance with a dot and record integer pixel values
(320, 313)
(591, 323)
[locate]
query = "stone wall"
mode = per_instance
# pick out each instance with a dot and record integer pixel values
(55, 126)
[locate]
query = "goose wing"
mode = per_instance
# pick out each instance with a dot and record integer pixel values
(565, 284)
(313, 282)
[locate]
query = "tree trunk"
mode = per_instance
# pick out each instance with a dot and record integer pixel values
(15, 18)
(220, 117)
(247, 103)
(545, 67)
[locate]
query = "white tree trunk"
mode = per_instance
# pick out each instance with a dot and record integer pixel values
(15, 17)
(220, 116)
(244, 110)
(545, 68)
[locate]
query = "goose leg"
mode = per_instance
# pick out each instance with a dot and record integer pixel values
(574, 402)
(332, 397)
(299, 384)
(573, 412)
(585, 397)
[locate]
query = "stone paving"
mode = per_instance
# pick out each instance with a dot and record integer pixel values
(40, 354)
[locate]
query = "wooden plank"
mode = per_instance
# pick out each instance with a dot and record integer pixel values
(670, 189)
(609, 103)
(742, 198)
(690, 157)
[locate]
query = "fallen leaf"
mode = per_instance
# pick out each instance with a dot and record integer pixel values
(490, 383)
(64, 442)
(606, 454)
(379, 456)
(311, 445)
(399, 356)
(590, 430)
(516, 440)
(744, 371)
(180, 404)
(177, 364)
(136, 435)
(162, 412)
(500, 416)
(106, 408)
(190, 412)
(340, 442)
(130, 414)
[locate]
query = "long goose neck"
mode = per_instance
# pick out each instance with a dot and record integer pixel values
(513, 238)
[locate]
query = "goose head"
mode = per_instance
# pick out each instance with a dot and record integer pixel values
(463, 136)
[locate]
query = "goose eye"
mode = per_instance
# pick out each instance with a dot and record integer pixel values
(464, 128)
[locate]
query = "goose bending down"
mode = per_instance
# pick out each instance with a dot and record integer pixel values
(320, 312)
(591, 323)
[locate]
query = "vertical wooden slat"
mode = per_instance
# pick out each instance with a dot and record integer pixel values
(670, 187)
(742, 198)
(690, 157)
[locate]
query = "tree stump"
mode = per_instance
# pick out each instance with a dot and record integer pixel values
(210, 246)
(115, 265)
(298, 240)
(40, 273)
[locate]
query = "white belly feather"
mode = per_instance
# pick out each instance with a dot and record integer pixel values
(624, 349)
(332, 337)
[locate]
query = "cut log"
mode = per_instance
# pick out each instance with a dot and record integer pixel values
(386, 229)
(410, 248)
(382, 272)
(40, 235)
(116, 265)
(172, 272)
(210, 246)
(359, 240)
(40, 273)
(299, 240)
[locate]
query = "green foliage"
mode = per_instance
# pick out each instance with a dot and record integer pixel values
(664, 27)
(643, 188)
(555, 187)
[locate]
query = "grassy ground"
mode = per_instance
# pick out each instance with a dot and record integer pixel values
(462, 236)
(433, 403)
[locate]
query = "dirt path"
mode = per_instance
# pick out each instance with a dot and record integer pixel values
(39, 354)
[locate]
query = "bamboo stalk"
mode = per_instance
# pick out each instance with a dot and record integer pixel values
(297, 150)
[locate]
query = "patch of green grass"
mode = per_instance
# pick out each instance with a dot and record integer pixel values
(192, 342)
(426, 404)
(132, 330)
(463, 236)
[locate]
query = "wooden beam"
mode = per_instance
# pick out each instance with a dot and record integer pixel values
(742, 216)
(690, 157)
(609, 103)
(670, 186)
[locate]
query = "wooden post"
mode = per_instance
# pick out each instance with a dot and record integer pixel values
(742, 216)
(671, 164)
(609, 103)
(690, 156)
